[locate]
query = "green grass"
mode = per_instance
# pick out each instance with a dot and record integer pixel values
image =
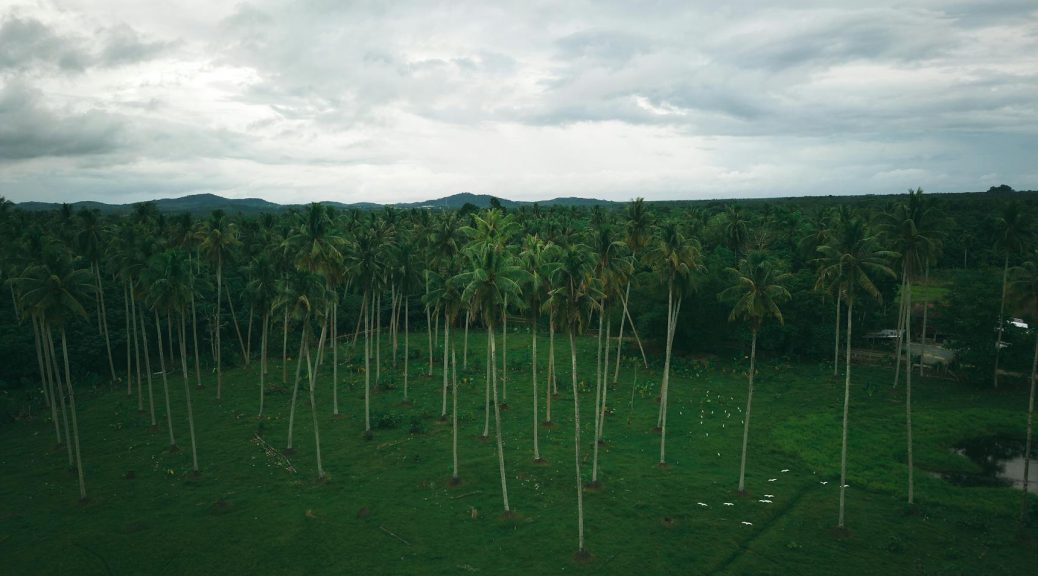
(269, 520)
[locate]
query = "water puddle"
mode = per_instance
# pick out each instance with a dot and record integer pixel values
(1001, 463)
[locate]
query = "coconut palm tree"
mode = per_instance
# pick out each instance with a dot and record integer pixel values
(90, 243)
(675, 259)
(1024, 291)
(849, 263)
(539, 261)
(491, 277)
(573, 298)
(638, 235)
(262, 290)
(216, 239)
(56, 293)
(1014, 232)
(756, 291)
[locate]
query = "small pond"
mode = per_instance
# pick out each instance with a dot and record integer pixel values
(1001, 463)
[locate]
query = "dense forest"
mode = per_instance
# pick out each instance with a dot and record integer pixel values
(941, 285)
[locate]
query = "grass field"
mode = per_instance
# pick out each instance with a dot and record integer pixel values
(388, 509)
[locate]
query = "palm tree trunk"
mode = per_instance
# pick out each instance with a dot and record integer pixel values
(465, 355)
(836, 346)
(926, 307)
(169, 335)
(378, 340)
(598, 393)
(454, 409)
(237, 328)
(104, 321)
(14, 303)
(576, 442)
(428, 323)
(620, 334)
(536, 414)
(446, 367)
(671, 322)
(605, 376)
(846, 406)
(147, 368)
(165, 382)
(749, 407)
(194, 339)
(551, 367)
(486, 394)
(75, 423)
(48, 393)
(132, 319)
(902, 313)
(497, 419)
(263, 360)
(216, 329)
(634, 330)
(129, 357)
(367, 364)
(248, 334)
(407, 342)
(1001, 316)
(295, 386)
(504, 351)
(311, 372)
(56, 383)
(335, 358)
(284, 348)
(392, 320)
(187, 391)
(908, 393)
(1030, 429)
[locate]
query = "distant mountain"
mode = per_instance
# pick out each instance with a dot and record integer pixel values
(205, 203)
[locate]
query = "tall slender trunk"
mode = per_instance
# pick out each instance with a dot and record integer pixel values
(551, 368)
(378, 340)
(104, 321)
(846, 406)
(216, 329)
(392, 319)
(926, 307)
(504, 351)
(902, 312)
(194, 347)
(671, 325)
(465, 355)
(129, 357)
(598, 393)
(52, 357)
(47, 389)
(908, 394)
(335, 357)
(187, 389)
(284, 348)
(263, 360)
(446, 366)
(1030, 429)
(136, 348)
(311, 372)
(836, 346)
(295, 386)
(486, 394)
(576, 442)
(634, 330)
(620, 333)
(14, 303)
(407, 343)
(367, 364)
(1001, 316)
(165, 381)
(147, 368)
(169, 335)
(497, 419)
(454, 409)
(428, 323)
(237, 328)
(75, 422)
(749, 407)
(248, 334)
(605, 376)
(536, 413)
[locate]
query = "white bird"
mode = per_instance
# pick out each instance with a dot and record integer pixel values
(765, 501)
(784, 470)
(747, 523)
(772, 479)
(823, 482)
(769, 495)
(729, 504)
(846, 485)
(704, 504)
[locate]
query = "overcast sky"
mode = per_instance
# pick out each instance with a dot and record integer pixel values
(294, 101)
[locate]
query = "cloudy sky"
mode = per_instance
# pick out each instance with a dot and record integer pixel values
(124, 100)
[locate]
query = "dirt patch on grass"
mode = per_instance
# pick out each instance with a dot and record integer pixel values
(221, 506)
